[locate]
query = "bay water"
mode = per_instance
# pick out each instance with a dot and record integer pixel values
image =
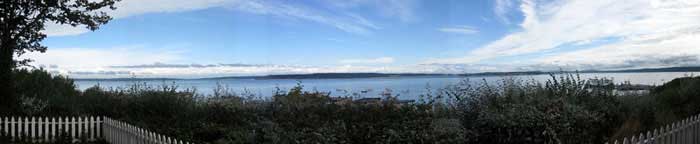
(404, 87)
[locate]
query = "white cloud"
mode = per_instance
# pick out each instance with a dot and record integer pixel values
(403, 10)
(95, 59)
(502, 8)
(135, 61)
(381, 60)
(347, 22)
(461, 29)
(676, 48)
(645, 28)
(162, 70)
(53, 29)
(127, 8)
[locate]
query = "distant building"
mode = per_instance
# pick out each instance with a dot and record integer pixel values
(369, 101)
(629, 86)
(340, 100)
(600, 82)
(601, 85)
(628, 89)
(406, 101)
(608, 86)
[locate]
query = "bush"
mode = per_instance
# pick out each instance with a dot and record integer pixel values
(560, 110)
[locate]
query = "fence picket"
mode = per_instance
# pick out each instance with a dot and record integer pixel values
(29, 131)
(648, 138)
(12, 127)
(692, 135)
(80, 127)
(25, 127)
(4, 124)
(48, 129)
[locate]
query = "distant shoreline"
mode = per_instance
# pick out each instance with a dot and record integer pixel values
(389, 75)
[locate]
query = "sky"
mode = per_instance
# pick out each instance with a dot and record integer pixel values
(210, 38)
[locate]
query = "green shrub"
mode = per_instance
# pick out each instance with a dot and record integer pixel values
(560, 110)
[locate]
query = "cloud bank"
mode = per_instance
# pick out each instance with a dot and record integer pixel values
(646, 33)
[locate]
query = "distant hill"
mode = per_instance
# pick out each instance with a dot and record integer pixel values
(346, 75)
(505, 73)
(668, 69)
(375, 75)
(125, 79)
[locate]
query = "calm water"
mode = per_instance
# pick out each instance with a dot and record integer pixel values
(406, 87)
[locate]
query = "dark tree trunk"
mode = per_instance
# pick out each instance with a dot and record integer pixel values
(8, 99)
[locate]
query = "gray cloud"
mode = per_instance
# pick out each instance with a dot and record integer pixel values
(100, 73)
(165, 65)
(645, 62)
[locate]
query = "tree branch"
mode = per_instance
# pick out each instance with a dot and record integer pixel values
(35, 20)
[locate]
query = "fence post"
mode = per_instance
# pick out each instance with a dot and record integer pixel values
(40, 130)
(12, 127)
(25, 129)
(114, 129)
(99, 123)
(151, 138)
(674, 133)
(52, 128)
(691, 130)
(120, 128)
(670, 132)
(674, 129)
(78, 128)
(657, 136)
(109, 129)
(89, 128)
(139, 135)
(650, 137)
(693, 133)
(4, 124)
(30, 127)
(686, 132)
(105, 132)
(665, 134)
(681, 134)
(696, 126)
(59, 127)
(129, 134)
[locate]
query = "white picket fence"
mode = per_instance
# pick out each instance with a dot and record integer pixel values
(117, 132)
(48, 129)
(686, 131)
(42, 129)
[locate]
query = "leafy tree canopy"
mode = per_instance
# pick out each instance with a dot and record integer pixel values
(21, 25)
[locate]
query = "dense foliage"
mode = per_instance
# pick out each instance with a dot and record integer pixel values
(560, 110)
(22, 24)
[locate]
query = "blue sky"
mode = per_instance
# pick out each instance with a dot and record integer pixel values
(182, 38)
